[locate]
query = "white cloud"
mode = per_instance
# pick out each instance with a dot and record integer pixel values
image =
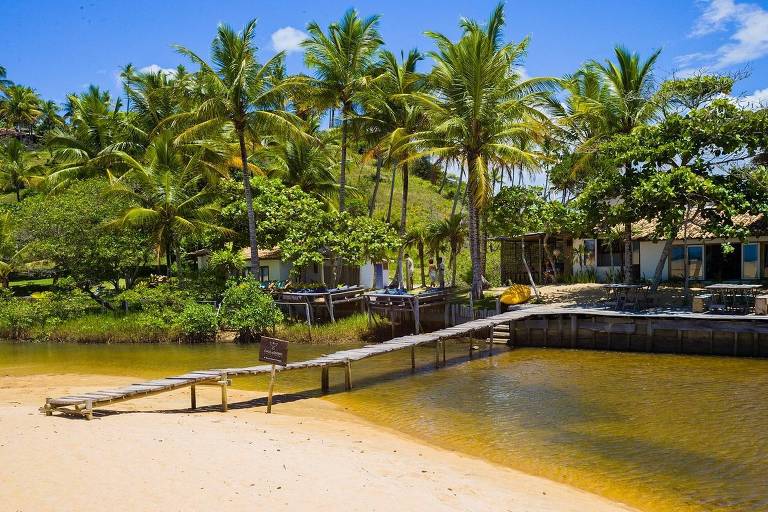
(154, 68)
(748, 37)
(288, 39)
(522, 72)
(758, 99)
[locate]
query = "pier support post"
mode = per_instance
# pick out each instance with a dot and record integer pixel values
(324, 379)
(223, 383)
(490, 342)
(437, 354)
(270, 389)
(348, 376)
(193, 397)
(89, 410)
(413, 358)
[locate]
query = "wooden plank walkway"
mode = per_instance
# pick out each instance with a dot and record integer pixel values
(83, 404)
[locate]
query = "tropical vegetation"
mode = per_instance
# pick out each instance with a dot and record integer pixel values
(371, 152)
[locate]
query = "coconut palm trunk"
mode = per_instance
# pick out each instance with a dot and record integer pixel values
(458, 191)
(254, 263)
(421, 262)
(376, 181)
(403, 220)
(391, 194)
(343, 165)
(474, 235)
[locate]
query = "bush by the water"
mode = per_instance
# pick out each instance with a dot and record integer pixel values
(111, 328)
(351, 329)
(197, 322)
(249, 310)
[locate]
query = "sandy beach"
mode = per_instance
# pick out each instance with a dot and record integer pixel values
(308, 454)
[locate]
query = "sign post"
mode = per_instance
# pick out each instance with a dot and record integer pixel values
(272, 350)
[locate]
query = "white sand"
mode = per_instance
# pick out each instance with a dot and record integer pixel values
(307, 455)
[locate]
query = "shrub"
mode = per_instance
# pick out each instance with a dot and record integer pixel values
(19, 316)
(248, 309)
(197, 322)
(108, 328)
(162, 300)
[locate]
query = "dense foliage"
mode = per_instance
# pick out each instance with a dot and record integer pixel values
(108, 189)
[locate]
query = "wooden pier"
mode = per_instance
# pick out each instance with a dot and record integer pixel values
(550, 325)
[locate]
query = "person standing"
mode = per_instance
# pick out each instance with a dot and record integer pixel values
(441, 272)
(432, 273)
(408, 272)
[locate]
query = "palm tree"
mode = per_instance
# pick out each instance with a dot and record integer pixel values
(20, 107)
(94, 129)
(400, 120)
(238, 93)
(631, 83)
(418, 236)
(49, 117)
(4, 82)
(168, 189)
(16, 171)
(480, 111)
(610, 237)
(307, 162)
(343, 60)
(453, 230)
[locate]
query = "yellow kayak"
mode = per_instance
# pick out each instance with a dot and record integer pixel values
(515, 294)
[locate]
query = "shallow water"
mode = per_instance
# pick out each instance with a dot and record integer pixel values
(660, 432)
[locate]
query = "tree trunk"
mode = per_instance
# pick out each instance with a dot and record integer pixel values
(445, 179)
(168, 258)
(453, 268)
(613, 268)
(391, 194)
(458, 191)
(376, 180)
(661, 263)
(421, 262)
(403, 220)
(628, 253)
(474, 237)
(482, 232)
(343, 172)
(18, 195)
(99, 300)
(550, 258)
(249, 205)
(463, 200)
(527, 268)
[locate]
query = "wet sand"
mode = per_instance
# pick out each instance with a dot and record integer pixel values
(309, 454)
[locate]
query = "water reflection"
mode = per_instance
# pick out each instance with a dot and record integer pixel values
(661, 432)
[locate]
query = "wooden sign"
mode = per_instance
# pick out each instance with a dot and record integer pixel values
(274, 351)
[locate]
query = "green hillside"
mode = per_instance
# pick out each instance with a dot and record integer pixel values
(425, 202)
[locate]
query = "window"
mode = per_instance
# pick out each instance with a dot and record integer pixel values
(750, 261)
(695, 262)
(606, 250)
(264, 273)
(589, 253)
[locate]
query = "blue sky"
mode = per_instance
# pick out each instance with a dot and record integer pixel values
(61, 46)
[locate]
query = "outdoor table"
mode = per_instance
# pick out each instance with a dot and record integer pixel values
(732, 296)
(624, 294)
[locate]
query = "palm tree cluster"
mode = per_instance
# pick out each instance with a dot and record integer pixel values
(466, 106)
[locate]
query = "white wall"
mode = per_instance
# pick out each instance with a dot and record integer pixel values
(367, 275)
(650, 252)
(278, 270)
